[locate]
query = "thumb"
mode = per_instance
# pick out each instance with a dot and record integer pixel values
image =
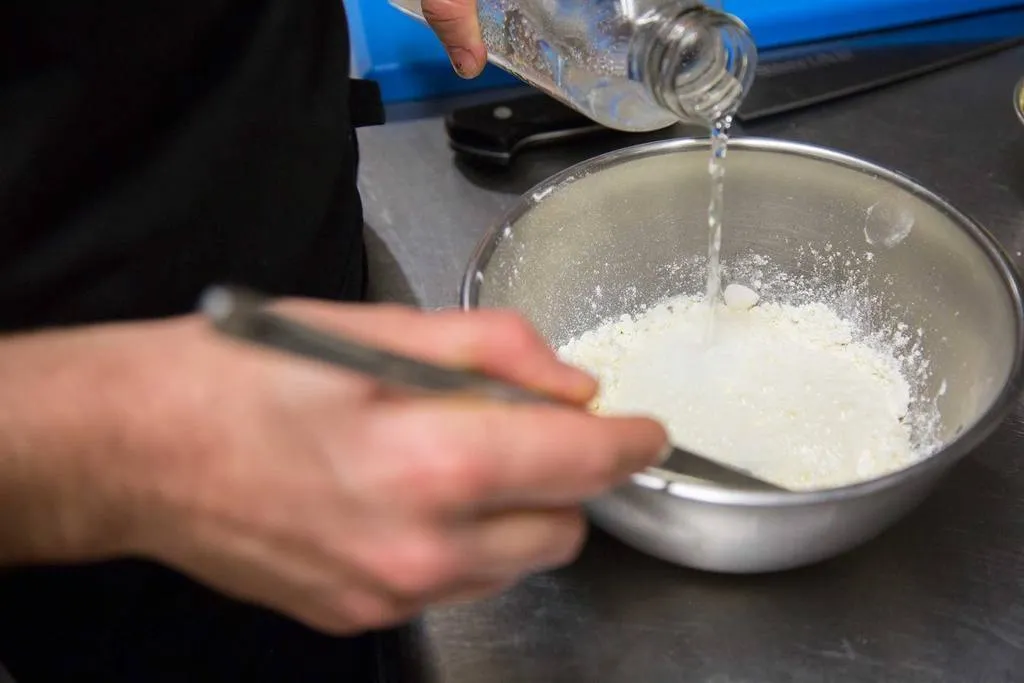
(456, 25)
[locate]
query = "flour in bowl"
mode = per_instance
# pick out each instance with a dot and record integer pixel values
(783, 390)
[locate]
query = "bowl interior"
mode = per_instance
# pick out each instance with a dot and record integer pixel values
(630, 229)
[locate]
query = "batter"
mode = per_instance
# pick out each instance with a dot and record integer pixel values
(782, 390)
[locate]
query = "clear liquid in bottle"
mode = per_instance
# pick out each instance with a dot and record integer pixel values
(629, 65)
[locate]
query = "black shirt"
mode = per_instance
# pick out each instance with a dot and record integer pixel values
(147, 149)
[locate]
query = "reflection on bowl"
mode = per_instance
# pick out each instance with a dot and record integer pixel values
(627, 224)
(1018, 100)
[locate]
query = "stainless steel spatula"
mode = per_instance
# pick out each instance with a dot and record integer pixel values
(242, 314)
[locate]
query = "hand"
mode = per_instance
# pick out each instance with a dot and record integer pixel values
(316, 492)
(456, 24)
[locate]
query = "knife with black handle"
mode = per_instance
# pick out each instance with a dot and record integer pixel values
(496, 132)
(787, 79)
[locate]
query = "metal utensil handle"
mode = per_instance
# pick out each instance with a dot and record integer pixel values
(242, 313)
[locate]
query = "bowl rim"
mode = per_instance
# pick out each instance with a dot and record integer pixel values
(1018, 99)
(665, 482)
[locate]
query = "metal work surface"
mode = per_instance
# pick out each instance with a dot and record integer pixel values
(939, 598)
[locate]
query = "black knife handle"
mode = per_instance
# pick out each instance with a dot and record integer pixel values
(496, 131)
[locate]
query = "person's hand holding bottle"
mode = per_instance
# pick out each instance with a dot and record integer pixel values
(457, 27)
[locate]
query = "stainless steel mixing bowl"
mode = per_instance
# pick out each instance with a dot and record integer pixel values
(619, 224)
(1018, 100)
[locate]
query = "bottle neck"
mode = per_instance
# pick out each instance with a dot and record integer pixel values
(694, 61)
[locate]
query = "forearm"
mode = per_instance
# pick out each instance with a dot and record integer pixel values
(57, 437)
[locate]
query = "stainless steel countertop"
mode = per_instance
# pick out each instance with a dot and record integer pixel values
(939, 598)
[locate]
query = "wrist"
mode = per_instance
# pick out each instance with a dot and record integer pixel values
(62, 497)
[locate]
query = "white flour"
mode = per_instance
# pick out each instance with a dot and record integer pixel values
(783, 390)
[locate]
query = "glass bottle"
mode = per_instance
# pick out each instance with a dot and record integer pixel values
(631, 65)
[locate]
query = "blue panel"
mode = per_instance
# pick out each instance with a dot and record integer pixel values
(786, 22)
(405, 58)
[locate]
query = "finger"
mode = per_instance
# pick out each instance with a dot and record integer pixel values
(487, 456)
(457, 27)
(473, 591)
(498, 343)
(374, 611)
(394, 608)
(511, 544)
(331, 598)
(496, 550)
(357, 608)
